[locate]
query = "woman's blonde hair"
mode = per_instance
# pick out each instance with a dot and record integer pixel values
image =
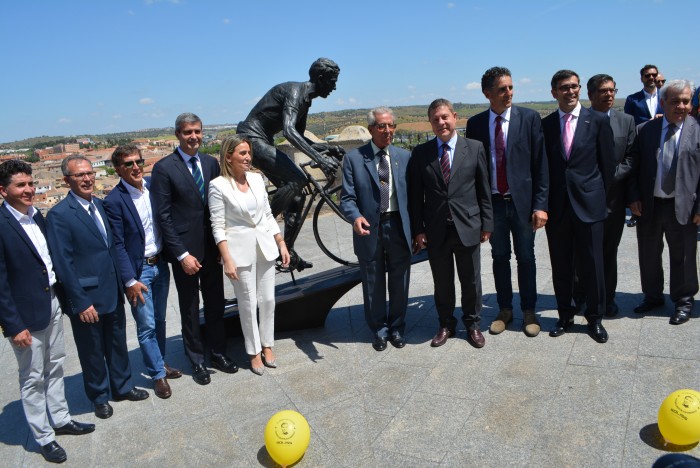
(227, 147)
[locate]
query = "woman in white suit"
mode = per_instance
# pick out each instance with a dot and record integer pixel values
(249, 241)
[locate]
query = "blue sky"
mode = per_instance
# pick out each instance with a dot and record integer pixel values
(97, 66)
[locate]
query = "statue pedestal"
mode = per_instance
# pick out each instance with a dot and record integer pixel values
(307, 303)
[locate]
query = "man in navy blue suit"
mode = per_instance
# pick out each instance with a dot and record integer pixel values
(514, 144)
(375, 199)
(30, 313)
(179, 187)
(579, 144)
(645, 105)
(86, 261)
(143, 269)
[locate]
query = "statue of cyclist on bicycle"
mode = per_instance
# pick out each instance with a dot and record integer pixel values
(285, 108)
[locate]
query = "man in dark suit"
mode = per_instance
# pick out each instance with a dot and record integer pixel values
(374, 198)
(30, 314)
(86, 261)
(644, 105)
(601, 92)
(451, 213)
(512, 137)
(666, 194)
(579, 145)
(179, 185)
(143, 270)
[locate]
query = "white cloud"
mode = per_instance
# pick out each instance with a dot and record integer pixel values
(411, 87)
(451, 5)
(254, 101)
(130, 12)
(64, 120)
(117, 116)
(525, 80)
(146, 100)
(226, 21)
(340, 101)
(352, 100)
(472, 86)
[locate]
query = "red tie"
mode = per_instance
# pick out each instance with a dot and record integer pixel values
(445, 162)
(499, 138)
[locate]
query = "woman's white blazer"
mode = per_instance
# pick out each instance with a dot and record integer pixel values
(231, 220)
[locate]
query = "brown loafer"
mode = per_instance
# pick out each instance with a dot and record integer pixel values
(441, 337)
(162, 388)
(172, 373)
(475, 338)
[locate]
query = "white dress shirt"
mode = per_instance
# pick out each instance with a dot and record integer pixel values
(36, 236)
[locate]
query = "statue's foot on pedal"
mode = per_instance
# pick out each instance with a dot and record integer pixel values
(295, 263)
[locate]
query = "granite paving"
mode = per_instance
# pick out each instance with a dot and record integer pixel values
(519, 401)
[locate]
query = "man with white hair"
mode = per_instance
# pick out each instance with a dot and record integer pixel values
(666, 195)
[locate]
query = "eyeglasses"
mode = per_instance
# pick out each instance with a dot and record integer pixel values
(661, 82)
(384, 126)
(607, 91)
(572, 87)
(81, 175)
(134, 163)
(650, 75)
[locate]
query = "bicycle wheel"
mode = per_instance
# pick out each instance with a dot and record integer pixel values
(332, 231)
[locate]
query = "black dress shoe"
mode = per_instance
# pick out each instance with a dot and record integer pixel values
(200, 374)
(379, 343)
(611, 309)
(135, 394)
(679, 316)
(647, 306)
(103, 410)
(74, 428)
(53, 452)
(597, 332)
(561, 327)
(224, 364)
(397, 340)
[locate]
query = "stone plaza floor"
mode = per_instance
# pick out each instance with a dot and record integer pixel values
(519, 401)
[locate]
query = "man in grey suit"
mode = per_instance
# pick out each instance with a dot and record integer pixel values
(601, 92)
(374, 198)
(664, 187)
(512, 137)
(451, 213)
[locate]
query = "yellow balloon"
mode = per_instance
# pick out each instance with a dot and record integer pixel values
(679, 417)
(287, 437)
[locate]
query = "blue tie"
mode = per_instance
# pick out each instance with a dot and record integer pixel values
(97, 222)
(198, 179)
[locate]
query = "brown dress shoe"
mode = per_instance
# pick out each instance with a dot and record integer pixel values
(172, 373)
(475, 338)
(162, 388)
(441, 337)
(504, 317)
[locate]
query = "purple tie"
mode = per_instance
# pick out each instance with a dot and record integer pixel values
(445, 162)
(500, 141)
(567, 136)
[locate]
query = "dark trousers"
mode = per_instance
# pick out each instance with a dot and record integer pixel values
(103, 355)
(507, 222)
(442, 256)
(570, 238)
(393, 257)
(612, 234)
(210, 278)
(682, 248)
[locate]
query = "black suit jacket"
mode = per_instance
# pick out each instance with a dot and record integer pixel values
(468, 197)
(645, 152)
(526, 162)
(25, 296)
(183, 216)
(583, 179)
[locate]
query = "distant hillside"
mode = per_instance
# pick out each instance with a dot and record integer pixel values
(320, 124)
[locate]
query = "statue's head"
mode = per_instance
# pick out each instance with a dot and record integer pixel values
(324, 74)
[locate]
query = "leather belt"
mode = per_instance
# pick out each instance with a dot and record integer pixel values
(498, 196)
(151, 260)
(386, 216)
(664, 200)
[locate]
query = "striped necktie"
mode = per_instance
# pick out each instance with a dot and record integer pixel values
(198, 179)
(445, 162)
